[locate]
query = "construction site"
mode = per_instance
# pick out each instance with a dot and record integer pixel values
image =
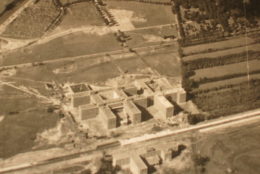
(142, 100)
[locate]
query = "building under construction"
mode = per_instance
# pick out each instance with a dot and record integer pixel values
(126, 104)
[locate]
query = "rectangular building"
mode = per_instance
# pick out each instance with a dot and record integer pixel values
(182, 96)
(141, 101)
(88, 111)
(137, 165)
(81, 98)
(132, 111)
(108, 117)
(164, 106)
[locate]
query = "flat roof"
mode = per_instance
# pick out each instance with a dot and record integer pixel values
(108, 112)
(130, 104)
(164, 101)
(79, 88)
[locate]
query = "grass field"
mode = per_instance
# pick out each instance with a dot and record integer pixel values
(166, 64)
(151, 36)
(82, 71)
(234, 150)
(220, 71)
(24, 117)
(81, 14)
(147, 12)
(71, 45)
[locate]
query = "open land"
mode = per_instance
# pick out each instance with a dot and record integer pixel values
(109, 43)
(235, 150)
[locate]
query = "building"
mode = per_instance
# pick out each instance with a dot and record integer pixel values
(127, 104)
(137, 165)
(108, 117)
(163, 105)
(132, 111)
(81, 98)
(88, 111)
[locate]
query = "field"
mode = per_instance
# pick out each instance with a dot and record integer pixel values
(151, 36)
(80, 15)
(226, 44)
(228, 82)
(227, 70)
(229, 99)
(216, 54)
(33, 21)
(24, 117)
(75, 44)
(215, 74)
(144, 14)
(235, 150)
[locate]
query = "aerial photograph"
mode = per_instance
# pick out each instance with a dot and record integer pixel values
(129, 86)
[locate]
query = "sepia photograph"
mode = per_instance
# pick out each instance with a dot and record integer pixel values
(129, 86)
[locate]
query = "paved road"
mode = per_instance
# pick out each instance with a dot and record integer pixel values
(241, 118)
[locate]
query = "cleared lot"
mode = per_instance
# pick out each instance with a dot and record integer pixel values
(236, 150)
(81, 14)
(144, 14)
(71, 45)
(24, 117)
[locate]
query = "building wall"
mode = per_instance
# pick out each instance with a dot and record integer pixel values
(164, 106)
(172, 97)
(131, 91)
(108, 117)
(88, 111)
(142, 102)
(132, 110)
(137, 166)
(182, 97)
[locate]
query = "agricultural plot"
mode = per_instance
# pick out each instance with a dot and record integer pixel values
(216, 46)
(229, 82)
(24, 117)
(144, 14)
(229, 100)
(222, 53)
(33, 21)
(227, 70)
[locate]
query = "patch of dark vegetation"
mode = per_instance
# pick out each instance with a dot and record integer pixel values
(227, 100)
(220, 61)
(200, 162)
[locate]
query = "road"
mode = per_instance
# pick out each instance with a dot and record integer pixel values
(233, 120)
